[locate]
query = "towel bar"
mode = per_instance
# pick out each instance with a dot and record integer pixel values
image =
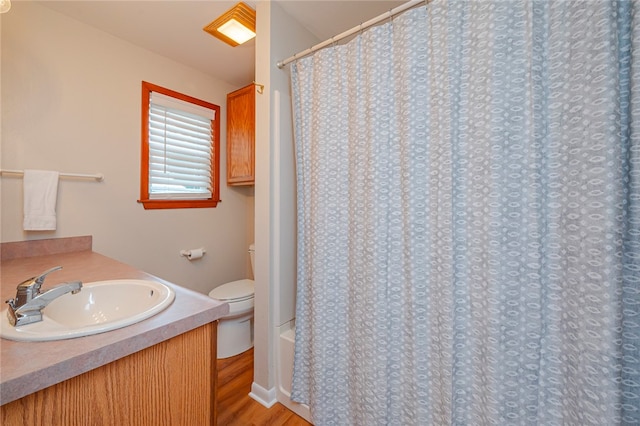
(98, 176)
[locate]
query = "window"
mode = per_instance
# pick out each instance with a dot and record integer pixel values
(180, 159)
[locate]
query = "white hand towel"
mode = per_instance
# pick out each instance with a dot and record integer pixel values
(40, 194)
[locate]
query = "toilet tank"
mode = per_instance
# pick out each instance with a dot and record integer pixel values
(252, 249)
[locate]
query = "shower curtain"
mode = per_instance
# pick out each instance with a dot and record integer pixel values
(469, 218)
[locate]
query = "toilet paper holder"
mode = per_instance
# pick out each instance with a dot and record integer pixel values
(193, 253)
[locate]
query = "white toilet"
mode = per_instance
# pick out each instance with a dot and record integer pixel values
(235, 330)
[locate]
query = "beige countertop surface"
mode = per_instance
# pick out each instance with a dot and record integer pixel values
(26, 367)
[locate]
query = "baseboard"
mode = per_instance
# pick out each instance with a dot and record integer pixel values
(266, 397)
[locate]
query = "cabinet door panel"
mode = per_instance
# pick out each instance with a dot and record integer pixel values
(241, 136)
(170, 383)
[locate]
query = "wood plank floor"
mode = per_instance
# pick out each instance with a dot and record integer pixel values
(236, 407)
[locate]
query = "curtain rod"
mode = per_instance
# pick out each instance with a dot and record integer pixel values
(391, 13)
(99, 177)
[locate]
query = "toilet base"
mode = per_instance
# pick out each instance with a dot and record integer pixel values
(234, 336)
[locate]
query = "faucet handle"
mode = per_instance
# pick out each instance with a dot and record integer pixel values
(38, 279)
(30, 288)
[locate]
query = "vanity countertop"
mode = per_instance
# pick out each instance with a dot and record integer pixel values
(26, 367)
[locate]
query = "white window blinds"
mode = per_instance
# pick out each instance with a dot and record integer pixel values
(180, 149)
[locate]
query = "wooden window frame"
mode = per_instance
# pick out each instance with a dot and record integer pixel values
(148, 203)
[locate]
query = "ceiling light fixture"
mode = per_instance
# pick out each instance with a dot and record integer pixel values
(236, 26)
(5, 5)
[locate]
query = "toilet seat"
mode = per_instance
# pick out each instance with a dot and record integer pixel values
(234, 291)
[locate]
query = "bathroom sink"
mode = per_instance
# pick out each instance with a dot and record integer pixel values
(100, 306)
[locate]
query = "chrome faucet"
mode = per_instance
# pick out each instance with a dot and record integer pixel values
(28, 304)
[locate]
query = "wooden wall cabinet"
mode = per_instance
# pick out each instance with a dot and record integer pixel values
(171, 383)
(241, 120)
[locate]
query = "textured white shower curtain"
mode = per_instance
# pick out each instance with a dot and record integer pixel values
(468, 203)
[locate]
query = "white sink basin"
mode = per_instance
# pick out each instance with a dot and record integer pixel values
(100, 306)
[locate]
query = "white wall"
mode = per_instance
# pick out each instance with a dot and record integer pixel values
(71, 102)
(279, 36)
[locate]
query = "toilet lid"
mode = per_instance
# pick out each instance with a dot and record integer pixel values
(235, 290)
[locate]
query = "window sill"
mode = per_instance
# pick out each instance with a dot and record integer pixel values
(178, 204)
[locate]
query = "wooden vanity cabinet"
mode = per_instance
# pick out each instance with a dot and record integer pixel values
(241, 119)
(170, 383)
